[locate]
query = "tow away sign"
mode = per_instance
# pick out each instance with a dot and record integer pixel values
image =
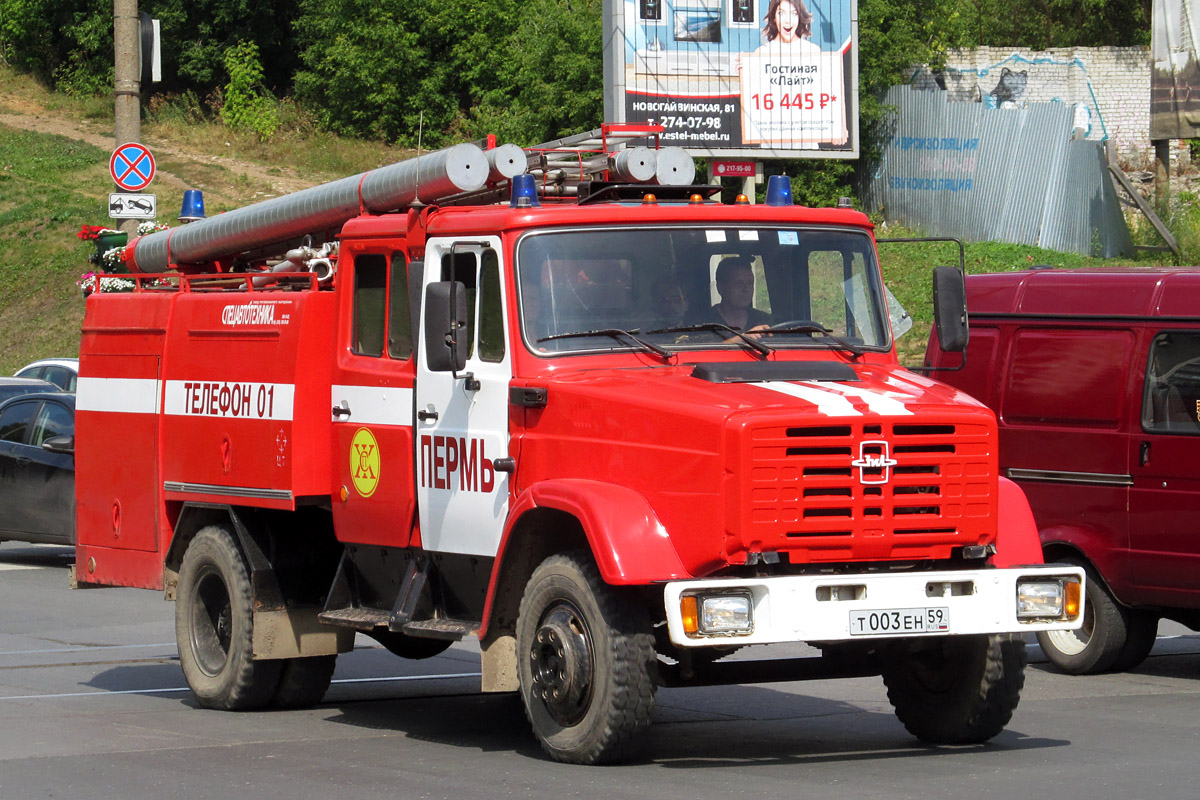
(132, 206)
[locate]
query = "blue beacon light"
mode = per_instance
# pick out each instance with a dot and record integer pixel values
(193, 206)
(779, 191)
(524, 192)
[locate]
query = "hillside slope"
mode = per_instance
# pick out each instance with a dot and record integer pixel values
(54, 178)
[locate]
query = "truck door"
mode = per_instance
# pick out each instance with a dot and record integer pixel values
(462, 420)
(1164, 543)
(372, 401)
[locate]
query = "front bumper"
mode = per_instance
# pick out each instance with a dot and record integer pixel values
(829, 608)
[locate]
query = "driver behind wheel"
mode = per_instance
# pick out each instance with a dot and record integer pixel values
(735, 285)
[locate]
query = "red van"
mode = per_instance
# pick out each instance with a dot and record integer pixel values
(1094, 376)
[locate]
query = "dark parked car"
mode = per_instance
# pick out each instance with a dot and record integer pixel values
(37, 468)
(15, 387)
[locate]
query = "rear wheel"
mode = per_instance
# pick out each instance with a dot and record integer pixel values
(1100, 643)
(955, 689)
(214, 626)
(585, 655)
(303, 681)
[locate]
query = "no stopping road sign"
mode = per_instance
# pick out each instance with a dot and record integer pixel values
(131, 167)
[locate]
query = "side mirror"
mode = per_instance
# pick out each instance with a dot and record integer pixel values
(64, 445)
(950, 309)
(445, 326)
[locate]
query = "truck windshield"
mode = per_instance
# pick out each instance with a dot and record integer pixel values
(684, 288)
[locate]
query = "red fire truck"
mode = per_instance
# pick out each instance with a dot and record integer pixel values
(613, 430)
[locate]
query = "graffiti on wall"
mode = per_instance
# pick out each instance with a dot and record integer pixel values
(1018, 80)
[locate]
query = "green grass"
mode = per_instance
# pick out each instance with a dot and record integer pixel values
(45, 182)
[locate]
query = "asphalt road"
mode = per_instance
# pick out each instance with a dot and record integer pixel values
(93, 705)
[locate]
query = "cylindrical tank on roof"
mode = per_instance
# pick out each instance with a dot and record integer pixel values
(461, 168)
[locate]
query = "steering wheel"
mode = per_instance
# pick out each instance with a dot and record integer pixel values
(797, 323)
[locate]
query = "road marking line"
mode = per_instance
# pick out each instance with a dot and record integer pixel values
(7, 567)
(95, 649)
(186, 689)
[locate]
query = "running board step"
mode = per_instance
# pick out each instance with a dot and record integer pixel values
(453, 629)
(362, 619)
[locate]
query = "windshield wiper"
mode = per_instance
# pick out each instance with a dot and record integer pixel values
(616, 333)
(717, 327)
(821, 329)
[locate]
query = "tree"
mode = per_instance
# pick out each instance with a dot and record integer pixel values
(69, 43)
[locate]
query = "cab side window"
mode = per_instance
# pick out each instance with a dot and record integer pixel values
(400, 344)
(16, 420)
(382, 314)
(1171, 403)
(461, 267)
(491, 310)
(370, 302)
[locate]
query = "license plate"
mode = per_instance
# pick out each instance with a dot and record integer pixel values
(899, 620)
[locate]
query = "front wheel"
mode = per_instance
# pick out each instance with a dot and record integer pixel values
(585, 660)
(955, 689)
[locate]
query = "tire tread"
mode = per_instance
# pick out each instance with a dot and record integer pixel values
(244, 684)
(975, 713)
(631, 650)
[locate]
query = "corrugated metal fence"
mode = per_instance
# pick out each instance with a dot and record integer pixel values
(1010, 175)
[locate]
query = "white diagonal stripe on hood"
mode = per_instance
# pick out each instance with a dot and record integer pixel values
(879, 403)
(828, 403)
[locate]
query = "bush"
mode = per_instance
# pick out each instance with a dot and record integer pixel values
(245, 108)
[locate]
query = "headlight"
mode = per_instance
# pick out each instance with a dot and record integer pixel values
(717, 614)
(1048, 599)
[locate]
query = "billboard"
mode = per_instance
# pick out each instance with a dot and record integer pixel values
(1174, 72)
(749, 78)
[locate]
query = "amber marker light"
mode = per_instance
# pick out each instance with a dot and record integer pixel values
(1074, 590)
(344, 493)
(742, 200)
(691, 619)
(696, 199)
(649, 200)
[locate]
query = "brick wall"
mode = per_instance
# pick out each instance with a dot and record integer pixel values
(1112, 83)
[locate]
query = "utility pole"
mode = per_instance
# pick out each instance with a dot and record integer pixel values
(128, 107)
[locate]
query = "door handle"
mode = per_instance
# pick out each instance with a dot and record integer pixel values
(427, 416)
(22, 461)
(342, 409)
(1144, 454)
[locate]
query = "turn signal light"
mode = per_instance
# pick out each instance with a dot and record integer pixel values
(691, 619)
(649, 200)
(1073, 605)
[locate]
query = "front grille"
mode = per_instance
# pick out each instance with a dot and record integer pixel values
(870, 490)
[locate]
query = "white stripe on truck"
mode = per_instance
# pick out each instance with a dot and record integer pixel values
(118, 395)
